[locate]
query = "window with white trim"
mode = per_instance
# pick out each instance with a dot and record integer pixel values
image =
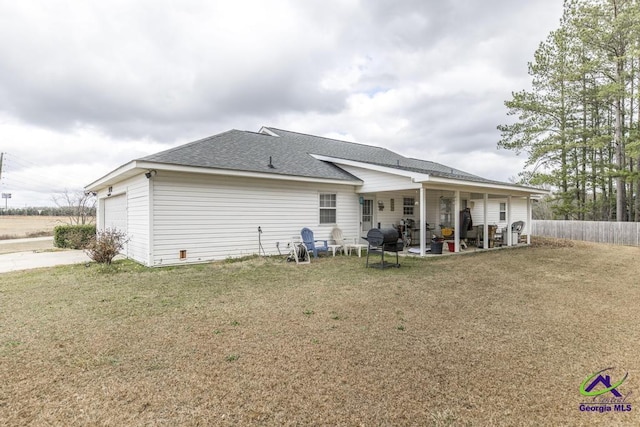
(503, 212)
(328, 209)
(407, 205)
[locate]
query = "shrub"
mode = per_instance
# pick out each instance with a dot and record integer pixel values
(105, 245)
(73, 236)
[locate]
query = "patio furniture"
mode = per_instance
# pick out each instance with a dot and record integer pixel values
(358, 247)
(338, 238)
(333, 248)
(447, 232)
(352, 243)
(472, 236)
(309, 241)
(492, 236)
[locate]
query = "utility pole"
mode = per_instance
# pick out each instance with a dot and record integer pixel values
(4, 196)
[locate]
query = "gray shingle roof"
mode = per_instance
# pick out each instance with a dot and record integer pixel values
(250, 152)
(290, 154)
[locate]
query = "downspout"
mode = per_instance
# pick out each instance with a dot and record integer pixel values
(529, 219)
(456, 221)
(509, 234)
(485, 232)
(423, 222)
(100, 215)
(127, 244)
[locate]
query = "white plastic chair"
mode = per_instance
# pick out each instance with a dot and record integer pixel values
(336, 235)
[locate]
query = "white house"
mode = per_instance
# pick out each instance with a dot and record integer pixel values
(206, 200)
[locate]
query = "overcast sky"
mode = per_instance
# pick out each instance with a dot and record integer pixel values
(86, 86)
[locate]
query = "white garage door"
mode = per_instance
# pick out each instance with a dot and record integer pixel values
(115, 213)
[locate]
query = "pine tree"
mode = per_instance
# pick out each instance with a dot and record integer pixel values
(580, 122)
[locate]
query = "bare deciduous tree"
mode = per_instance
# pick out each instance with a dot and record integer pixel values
(80, 207)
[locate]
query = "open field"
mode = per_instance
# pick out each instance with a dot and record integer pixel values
(496, 338)
(16, 227)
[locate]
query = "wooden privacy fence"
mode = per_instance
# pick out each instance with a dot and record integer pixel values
(615, 233)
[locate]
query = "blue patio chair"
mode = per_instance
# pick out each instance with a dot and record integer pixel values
(310, 242)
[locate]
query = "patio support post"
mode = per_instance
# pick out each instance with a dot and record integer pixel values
(485, 232)
(423, 222)
(529, 216)
(509, 234)
(456, 220)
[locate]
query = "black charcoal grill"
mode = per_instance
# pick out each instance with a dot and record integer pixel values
(383, 240)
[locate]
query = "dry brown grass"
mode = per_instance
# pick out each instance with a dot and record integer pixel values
(552, 242)
(495, 338)
(16, 227)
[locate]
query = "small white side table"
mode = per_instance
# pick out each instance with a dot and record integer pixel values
(358, 247)
(333, 248)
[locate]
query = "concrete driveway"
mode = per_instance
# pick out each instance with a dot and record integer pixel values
(27, 260)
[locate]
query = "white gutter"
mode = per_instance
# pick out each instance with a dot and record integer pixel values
(421, 178)
(510, 189)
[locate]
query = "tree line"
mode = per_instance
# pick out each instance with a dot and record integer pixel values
(49, 211)
(579, 124)
(79, 208)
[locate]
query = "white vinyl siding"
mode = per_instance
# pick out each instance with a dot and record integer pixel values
(518, 212)
(130, 203)
(217, 217)
(375, 181)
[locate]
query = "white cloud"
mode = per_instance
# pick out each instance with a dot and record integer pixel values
(91, 85)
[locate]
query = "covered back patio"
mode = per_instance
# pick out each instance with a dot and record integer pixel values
(422, 214)
(427, 203)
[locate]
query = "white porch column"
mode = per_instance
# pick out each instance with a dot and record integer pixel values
(456, 221)
(485, 232)
(423, 222)
(509, 234)
(529, 220)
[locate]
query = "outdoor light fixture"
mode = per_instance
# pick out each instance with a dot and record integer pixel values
(151, 173)
(380, 205)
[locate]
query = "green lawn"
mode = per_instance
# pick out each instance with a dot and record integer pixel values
(496, 338)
